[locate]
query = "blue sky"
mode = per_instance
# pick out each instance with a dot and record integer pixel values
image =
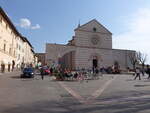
(54, 21)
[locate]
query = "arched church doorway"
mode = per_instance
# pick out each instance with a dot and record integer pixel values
(95, 63)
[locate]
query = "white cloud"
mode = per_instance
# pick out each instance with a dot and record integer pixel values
(37, 26)
(137, 36)
(26, 23)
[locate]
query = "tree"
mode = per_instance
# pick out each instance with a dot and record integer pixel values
(142, 57)
(133, 58)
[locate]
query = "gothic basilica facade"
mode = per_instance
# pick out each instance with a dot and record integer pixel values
(90, 47)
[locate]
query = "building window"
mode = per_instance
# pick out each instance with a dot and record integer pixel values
(10, 51)
(23, 59)
(19, 57)
(4, 47)
(14, 53)
(19, 47)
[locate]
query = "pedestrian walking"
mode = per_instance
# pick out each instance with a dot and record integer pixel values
(9, 65)
(42, 76)
(2, 67)
(137, 72)
(13, 65)
(148, 71)
(143, 71)
(42, 73)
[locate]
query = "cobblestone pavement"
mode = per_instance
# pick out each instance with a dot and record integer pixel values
(109, 94)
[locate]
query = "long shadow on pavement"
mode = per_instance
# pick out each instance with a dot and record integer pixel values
(70, 106)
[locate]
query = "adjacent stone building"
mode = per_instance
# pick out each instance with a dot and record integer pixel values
(90, 47)
(13, 46)
(41, 58)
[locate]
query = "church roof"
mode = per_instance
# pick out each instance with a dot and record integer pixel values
(94, 20)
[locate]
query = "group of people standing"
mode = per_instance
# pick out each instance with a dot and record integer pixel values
(139, 71)
(11, 66)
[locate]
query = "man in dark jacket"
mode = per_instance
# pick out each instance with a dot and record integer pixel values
(148, 71)
(42, 73)
(13, 65)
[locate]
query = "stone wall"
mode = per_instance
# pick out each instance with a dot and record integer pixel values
(55, 51)
(85, 60)
(84, 56)
(83, 38)
(122, 57)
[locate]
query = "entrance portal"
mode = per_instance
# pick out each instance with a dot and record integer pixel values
(95, 63)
